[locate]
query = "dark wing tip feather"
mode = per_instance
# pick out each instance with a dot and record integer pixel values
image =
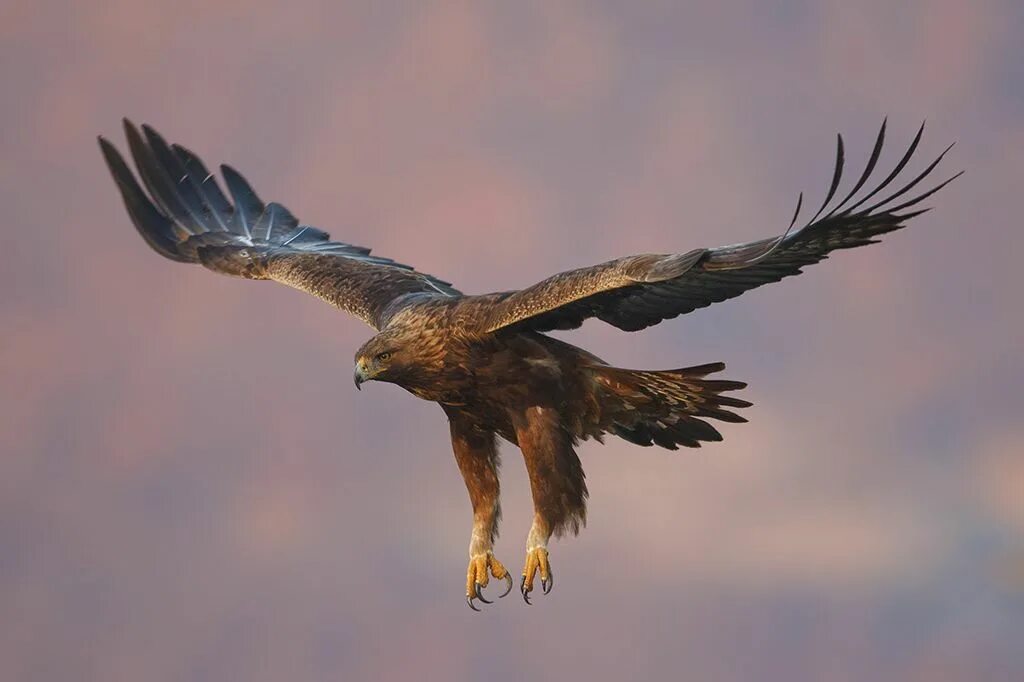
(910, 185)
(154, 227)
(179, 187)
(796, 213)
(162, 178)
(922, 197)
(892, 175)
(205, 185)
(837, 176)
(876, 153)
(883, 207)
(248, 205)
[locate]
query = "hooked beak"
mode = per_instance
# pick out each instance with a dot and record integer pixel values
(361, 374)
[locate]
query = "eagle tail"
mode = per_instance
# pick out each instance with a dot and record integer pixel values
(669, 407)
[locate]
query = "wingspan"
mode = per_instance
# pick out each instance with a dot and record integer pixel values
(639, 291)
(187, 218)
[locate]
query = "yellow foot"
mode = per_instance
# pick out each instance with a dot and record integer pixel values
(536, 560)
(477, 578)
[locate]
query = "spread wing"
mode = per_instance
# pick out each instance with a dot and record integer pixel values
(639, 291)
(186, 217)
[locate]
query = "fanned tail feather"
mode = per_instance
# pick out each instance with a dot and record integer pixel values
(669, 407)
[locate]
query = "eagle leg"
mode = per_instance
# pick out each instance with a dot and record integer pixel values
(476, 453)
(557, 485)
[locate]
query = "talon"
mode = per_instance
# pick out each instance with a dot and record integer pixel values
(546, 578)
(536, 564)
(508, 584)
(480, 596)
(477, 578)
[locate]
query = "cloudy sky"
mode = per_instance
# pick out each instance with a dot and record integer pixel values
(192, 489)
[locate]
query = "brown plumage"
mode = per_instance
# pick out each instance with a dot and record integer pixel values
(485, 359)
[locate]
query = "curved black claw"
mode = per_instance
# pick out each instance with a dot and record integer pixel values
(480, 596)
(508, 588)
(546, 585)
(469, 600)
(526, 593)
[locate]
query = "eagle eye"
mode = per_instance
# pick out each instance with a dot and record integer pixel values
(384, 357)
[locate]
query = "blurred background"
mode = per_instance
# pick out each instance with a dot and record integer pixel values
(192, 489)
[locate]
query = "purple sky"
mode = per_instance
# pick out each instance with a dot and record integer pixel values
(192, 489)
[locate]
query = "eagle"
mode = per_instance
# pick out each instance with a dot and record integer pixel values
(486, 359)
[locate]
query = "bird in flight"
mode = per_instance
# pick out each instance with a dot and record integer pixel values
(485, 359)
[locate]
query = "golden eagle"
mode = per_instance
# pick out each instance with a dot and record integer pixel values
(485, 359)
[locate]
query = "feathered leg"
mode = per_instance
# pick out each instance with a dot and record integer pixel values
(558, 487)
(477, 455)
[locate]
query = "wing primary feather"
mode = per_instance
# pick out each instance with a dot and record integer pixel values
(275, 215)
(919, 199)
(910, 185)
(837, 177)
(165, 176)
(872, 161)
(142, 156)
(799, 203)
(248, 206)
(154, 227)
(895, 171)
(206, 185)
(191, 200)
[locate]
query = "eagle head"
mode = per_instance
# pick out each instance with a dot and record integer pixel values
(394, 355)
(374, 359)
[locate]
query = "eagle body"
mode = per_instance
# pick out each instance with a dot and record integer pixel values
(486, 359)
